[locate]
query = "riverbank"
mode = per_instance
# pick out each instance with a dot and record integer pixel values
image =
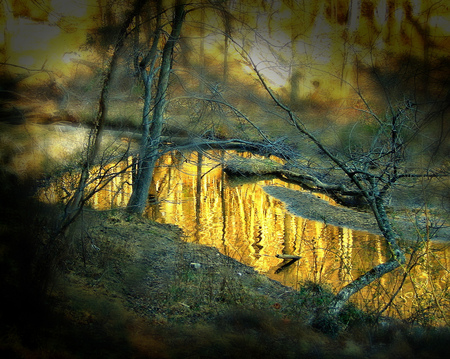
(173, 299)
(411, 217)
(128, 287)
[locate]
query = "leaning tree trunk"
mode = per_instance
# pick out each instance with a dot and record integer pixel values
(340, 299)
(397, 259)
(152, 143)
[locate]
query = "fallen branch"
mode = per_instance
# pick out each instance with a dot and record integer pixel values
(312, 181)
(287, 256)
(289, 259)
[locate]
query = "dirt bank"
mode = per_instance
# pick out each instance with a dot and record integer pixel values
(131, 288)
(308, 205)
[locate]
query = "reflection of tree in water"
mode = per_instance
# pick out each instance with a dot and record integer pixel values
(247, 224)
(243, 221)
(345, 254)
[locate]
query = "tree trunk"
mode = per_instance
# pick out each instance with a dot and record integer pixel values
(339, 301)
(227, 26)
(397, 259)
(147, 70)
(202, 61)
(138, 199)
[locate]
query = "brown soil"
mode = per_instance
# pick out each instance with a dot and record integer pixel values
(161, 276)
(136, 282)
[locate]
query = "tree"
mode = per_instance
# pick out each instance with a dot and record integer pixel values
(151, 144)
(371, 170)
(396, 120)
(79, 198)
(372, 174)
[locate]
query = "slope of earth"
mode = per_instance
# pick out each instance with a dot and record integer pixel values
(155, 296)
(131, 288)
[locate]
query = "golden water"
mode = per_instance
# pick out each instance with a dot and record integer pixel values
(245, 223)
(242, 221)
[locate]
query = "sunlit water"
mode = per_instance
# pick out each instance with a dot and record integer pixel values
(240, 219)
(244, 222)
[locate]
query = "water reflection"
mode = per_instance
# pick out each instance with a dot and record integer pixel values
(245, 223)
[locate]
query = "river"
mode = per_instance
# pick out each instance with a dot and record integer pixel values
(239, 217)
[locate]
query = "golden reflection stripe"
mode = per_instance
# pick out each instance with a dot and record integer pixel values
(245, 223)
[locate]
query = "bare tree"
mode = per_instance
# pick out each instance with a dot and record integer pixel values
(79, 198)
(151, 143)
(370, 174)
